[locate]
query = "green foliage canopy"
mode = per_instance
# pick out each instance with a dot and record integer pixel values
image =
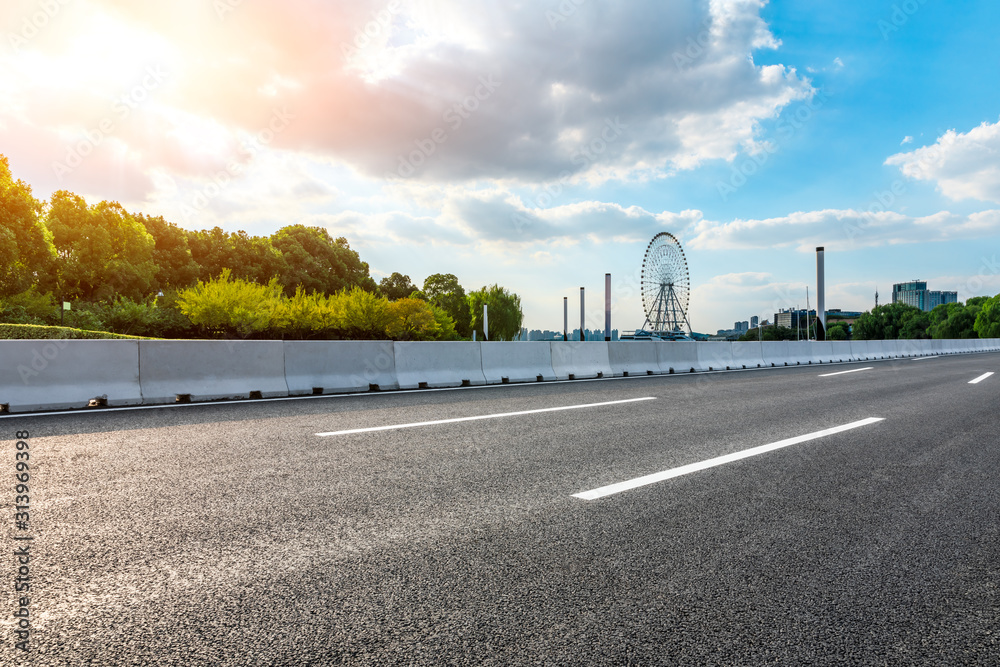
(988, 320)
(26, 249)
(444, 291)
(103, 251)
(397, 286)
(316, 262)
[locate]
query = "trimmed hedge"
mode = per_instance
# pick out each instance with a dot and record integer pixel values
(36, 331)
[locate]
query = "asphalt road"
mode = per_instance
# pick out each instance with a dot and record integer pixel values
(234, 534)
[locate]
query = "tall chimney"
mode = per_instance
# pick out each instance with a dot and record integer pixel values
(820, 295)
(565, 318)
(607, 306)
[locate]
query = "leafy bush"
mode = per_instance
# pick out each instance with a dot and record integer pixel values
(411, 319)
(229, 307)
(29, 307)
(126, 316)
(365, 315)
(313, 315)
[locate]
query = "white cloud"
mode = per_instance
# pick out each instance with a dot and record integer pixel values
(445, 92)
(964, 166)
(906, 140)
(843, 230)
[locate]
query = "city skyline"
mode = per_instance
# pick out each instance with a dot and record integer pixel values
(538, 146)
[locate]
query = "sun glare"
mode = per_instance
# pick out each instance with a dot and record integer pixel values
(103, 56)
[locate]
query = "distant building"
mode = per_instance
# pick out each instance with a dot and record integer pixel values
(754, 321)
(794, 318)
(741, 326)
(916, 294)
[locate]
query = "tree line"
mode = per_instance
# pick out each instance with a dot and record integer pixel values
(136, 274)
(979, 317)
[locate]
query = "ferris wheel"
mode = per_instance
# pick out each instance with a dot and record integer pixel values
(665, 286)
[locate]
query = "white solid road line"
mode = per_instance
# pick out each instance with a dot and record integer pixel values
(936, 356)
(718, 461)
(981, 378)
(477, 417)
(853, 370)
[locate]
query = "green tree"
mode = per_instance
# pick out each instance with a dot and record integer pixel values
(397, 286)
(256, 259)
(954, 320)
(504, 312)
(175, 267)
(103, 250)
(411, 319)
(211, 251)
(27, 255)
(988, 320)
(251, 258)
(444, 291)
(914, 324)
(887, 322)
(837, 332)
(317, 262)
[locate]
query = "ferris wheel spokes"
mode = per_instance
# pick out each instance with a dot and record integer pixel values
(665, 285)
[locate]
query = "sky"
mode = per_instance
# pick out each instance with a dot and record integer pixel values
(539, 145)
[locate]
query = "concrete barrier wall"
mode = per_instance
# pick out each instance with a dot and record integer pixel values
(206, 370)
(800, 353)
(438, 364)
(634, 357)
(775, 353)
(860, 350)
(912, 348)
(715, 356)
(821, 351)
(840, 350)
(506, 361)
(59, 374)
(875, 349)
(64, 374)
(582, 359)
(748, 355)
(339, 366)
(677, 356)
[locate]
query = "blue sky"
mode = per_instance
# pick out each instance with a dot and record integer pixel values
(453, 137)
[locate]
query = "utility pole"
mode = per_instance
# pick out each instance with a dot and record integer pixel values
(582, 337)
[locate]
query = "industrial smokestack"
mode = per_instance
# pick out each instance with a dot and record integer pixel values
(820, 295)
(565, 318)
(607, 306)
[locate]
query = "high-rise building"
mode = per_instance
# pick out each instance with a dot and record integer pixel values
(916, 294)
(754, 321)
